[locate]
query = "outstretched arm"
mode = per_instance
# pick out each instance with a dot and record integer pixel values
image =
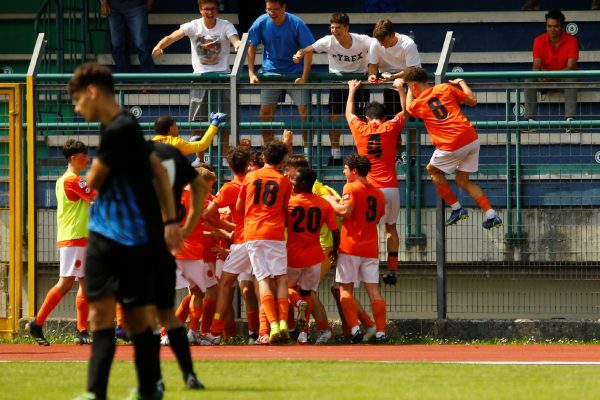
(353, 86)
(167, 41)
(470, 98)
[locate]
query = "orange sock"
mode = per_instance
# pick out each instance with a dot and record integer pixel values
(446, 193)
(322, 325)
(83, 310)
(195, 315)
(119, 314)
(184, 308)
(483, 203)
(268, 302)
(349, 308)
(392, 262)
(217, 326)
(294, 296)
(53, 297)
(291, 318)
(230, 330)
(364, 318)
(283, 306)
(264, 324)
(252, 316)
(378, 308)
(208, 312)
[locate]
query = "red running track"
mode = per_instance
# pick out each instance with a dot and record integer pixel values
(535, 353)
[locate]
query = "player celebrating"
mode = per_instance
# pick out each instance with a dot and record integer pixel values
(358, 259)
(454, 137)
(264, 198)
(72, 197)
(379, 141)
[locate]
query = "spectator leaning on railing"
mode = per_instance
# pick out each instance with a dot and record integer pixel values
(555, 50)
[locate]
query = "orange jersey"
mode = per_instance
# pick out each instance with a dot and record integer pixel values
(192, 248)
(359, 229)
(227, 197)
(207, 242)
(265, 193)
(307, 213)
(377, 142)
(439, 108)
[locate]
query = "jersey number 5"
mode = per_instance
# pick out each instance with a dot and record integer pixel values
(371, 209)
(438, 108)
(269, 195)
(312, 216)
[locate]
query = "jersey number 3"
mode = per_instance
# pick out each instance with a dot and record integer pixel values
(371, 209)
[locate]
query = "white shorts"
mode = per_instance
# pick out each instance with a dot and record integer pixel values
(392, 205)
(465, 159)
(238, 260)
(180, 281)
(219, 267)
(198, 273)
(354, 269)
(246, 276)
(305, 278)
(72, 261)
(268, 258)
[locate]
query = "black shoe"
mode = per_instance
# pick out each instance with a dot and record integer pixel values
(357, 337)
(192, 382)
(36, 332)
(390, 278)
(83, 337)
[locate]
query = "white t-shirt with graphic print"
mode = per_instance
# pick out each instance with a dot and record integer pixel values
(210, 47)
(342, 59)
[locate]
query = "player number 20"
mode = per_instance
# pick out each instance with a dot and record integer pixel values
(312, 217)
(268, 194)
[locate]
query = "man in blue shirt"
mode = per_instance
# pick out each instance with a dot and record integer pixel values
(281, 34)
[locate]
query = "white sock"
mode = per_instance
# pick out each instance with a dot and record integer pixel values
(354, 330)
(379, 334)
(336, 152)
(456, 206)
(489, 214)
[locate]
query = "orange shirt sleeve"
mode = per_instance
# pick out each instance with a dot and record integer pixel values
(76, 188)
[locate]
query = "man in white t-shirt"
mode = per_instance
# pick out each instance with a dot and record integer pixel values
(209, 39)
(347, 53)
(390, 54)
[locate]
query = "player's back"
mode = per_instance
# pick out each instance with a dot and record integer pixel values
(377, 142)
(439, 108)
(227, 197)
(307, 214)
(359, 229)
(266, 193)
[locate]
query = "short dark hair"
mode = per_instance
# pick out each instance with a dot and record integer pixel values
(238, 158)
(281, 2)
(415, 74)
(375, 110)
(383, 28)
(275, 152)
(296, 161)
(557, 15)
(306, 177)
(203, 2)
(340, 18)
(91, 74)
(256, 158)
(73, 147)
(359, 163)
(163, 124)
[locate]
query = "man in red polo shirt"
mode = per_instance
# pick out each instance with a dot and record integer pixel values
(555, 50)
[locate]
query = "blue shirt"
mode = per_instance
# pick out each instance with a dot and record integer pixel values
(280, 42)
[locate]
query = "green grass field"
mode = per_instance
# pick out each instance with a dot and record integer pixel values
(305, 380)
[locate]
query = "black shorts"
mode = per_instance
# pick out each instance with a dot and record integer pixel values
(165, 279)
(391, 102)
(339, 97)
(126, 272)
